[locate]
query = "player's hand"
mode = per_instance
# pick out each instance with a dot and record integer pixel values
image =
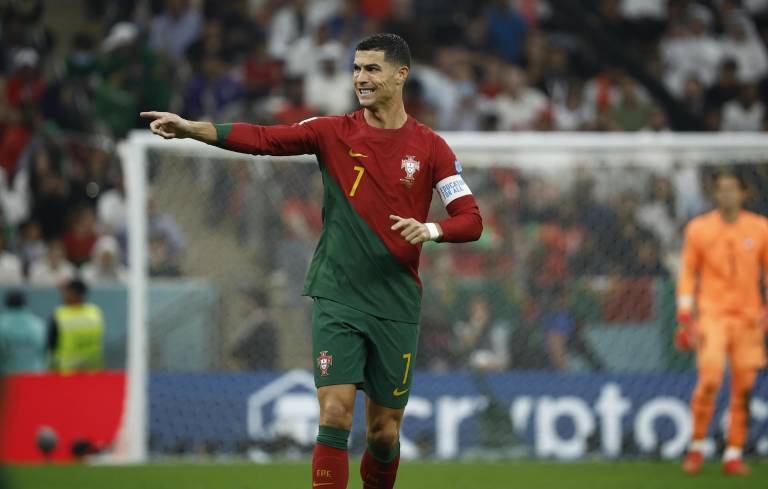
(168, 125)
(686, 335)
(762, 319)
(410, 229)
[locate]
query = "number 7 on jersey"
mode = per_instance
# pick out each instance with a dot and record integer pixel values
(360, 171)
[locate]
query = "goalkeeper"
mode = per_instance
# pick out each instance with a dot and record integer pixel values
(379, 169)
(719, 286)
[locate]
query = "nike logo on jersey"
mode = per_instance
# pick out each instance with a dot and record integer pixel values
(397, 392)
(356, 155)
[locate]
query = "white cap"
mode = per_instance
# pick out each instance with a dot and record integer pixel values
(25, 57)
(106, 243)
(330, 51)
(121, 34)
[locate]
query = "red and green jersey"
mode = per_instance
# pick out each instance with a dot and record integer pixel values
(368, 175)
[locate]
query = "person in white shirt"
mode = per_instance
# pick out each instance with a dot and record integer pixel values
(519, 106)
(178, 26)
(573, 114)
(53, 268)
(111, 208)
(743, 43)
(744, 114)
(690, 49)
(327, 87)
(10, 265)
(105, 265)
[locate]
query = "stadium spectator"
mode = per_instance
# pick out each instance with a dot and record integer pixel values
(743, 44)
(297, 58)
(326, 87)
(50, 190)
(178, 26)
(30, 245)
(506, 30)
(301, 216)
(105, 265)
(11, 270)
(257, 347)
(53, 268)
(694, 96)
(690, 49)
(76, 331)
(518, 106)
(572, 114)
(111, 206)
(725, 88)
(558, 325)
(23, 337)
(261, 73)
(657, 212)
(166, 243)
(80, 236)
(631, 112)
(163, 225)
(130, 74)
(162, 263)
(67, 101)
(481, 341)
(292, 107)
(25, 87)
(442, 298)
(15, 196)
(745, 113)
(212, 91)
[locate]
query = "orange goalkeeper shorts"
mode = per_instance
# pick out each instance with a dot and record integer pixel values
(739, 339)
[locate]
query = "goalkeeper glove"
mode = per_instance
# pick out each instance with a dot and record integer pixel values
(686, 336)
(762, 319)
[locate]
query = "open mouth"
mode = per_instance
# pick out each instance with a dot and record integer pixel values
(366, 91)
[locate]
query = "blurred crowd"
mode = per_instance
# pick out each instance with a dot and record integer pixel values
(73, 92)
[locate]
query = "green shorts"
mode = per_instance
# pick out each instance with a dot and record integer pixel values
(352, 347)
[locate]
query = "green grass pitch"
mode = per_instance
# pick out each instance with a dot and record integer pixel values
(456, 475)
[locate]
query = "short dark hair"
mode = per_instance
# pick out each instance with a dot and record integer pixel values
(78, 287)
(15, 299)
(395, 48)
(728, 173)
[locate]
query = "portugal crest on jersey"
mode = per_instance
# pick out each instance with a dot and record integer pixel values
(411, 165)
(324, 361)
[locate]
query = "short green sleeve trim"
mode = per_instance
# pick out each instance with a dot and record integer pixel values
(222, 133)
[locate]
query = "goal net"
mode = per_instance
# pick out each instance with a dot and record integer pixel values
(548, 337)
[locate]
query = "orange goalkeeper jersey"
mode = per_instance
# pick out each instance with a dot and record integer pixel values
(724, 260)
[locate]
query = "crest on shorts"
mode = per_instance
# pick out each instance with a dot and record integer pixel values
(411, 165)
(324, 361)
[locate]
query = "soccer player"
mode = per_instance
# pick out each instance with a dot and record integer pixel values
(719, 309)
(379, 169)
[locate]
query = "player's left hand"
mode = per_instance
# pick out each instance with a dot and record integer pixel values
(762, 319)
(410, 229)
(686, 335)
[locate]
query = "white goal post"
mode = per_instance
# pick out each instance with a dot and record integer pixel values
(518, 150)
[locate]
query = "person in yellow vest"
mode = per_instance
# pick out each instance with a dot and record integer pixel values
(76, 331)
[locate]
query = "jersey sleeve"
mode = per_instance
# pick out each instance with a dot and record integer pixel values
(278, 140)
(465, 222)
(689, 268)
(764, 251)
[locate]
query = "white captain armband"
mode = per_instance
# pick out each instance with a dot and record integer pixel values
(451, 188)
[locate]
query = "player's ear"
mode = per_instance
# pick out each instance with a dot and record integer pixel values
(402, 75)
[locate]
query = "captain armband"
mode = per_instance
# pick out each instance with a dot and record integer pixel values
(451, 188)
